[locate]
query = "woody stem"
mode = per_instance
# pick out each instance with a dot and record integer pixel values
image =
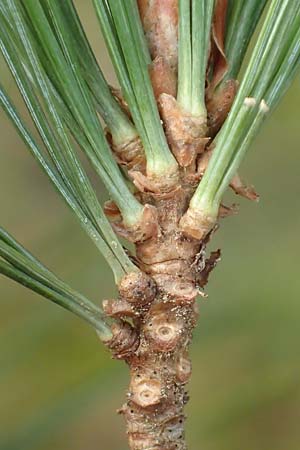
(161, 303)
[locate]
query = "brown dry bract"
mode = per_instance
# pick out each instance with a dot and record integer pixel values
(185, 132)
(220, 65)
(219, 96)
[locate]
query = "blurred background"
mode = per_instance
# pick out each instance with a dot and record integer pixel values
(59, 387)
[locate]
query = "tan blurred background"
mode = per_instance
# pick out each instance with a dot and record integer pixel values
(58, 386)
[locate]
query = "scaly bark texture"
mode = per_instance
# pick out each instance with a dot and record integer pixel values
(161, 305)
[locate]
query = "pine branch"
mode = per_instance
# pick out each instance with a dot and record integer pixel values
(19, 265)
(45, 47)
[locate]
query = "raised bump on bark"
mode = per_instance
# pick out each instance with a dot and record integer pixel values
(164, 332)
(197, 223)
(125, 340)
(145, 391)
(137, 288)
(118, 308)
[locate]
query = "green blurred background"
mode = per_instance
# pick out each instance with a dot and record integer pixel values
(59, 388)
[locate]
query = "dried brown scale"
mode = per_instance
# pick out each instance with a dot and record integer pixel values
(241, 189)
(185, 132)
(159, 185)
(143, 229)
(125, 340)
(118, 309)
(197, 225)
(130, 154)
(117, 93)
(218, 57)
(218, 103)
(219, 93)
(236, 184)
(209, 265)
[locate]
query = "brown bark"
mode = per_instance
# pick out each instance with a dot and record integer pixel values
(160, 302)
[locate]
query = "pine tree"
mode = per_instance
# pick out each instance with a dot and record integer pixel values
(174, 137)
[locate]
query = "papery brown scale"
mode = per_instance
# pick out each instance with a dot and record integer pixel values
(242, 189)
(130, 154)
(203, 161)
(117, 93)
(197, 225)
(111, 210)
(144, 228)
(210, 264)
(227, 211)
(125, 340)
(186, 133)
(218, 104)
(236, 184)
(220, 65)
(183, 368)
(118, 308)
(159, 186)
